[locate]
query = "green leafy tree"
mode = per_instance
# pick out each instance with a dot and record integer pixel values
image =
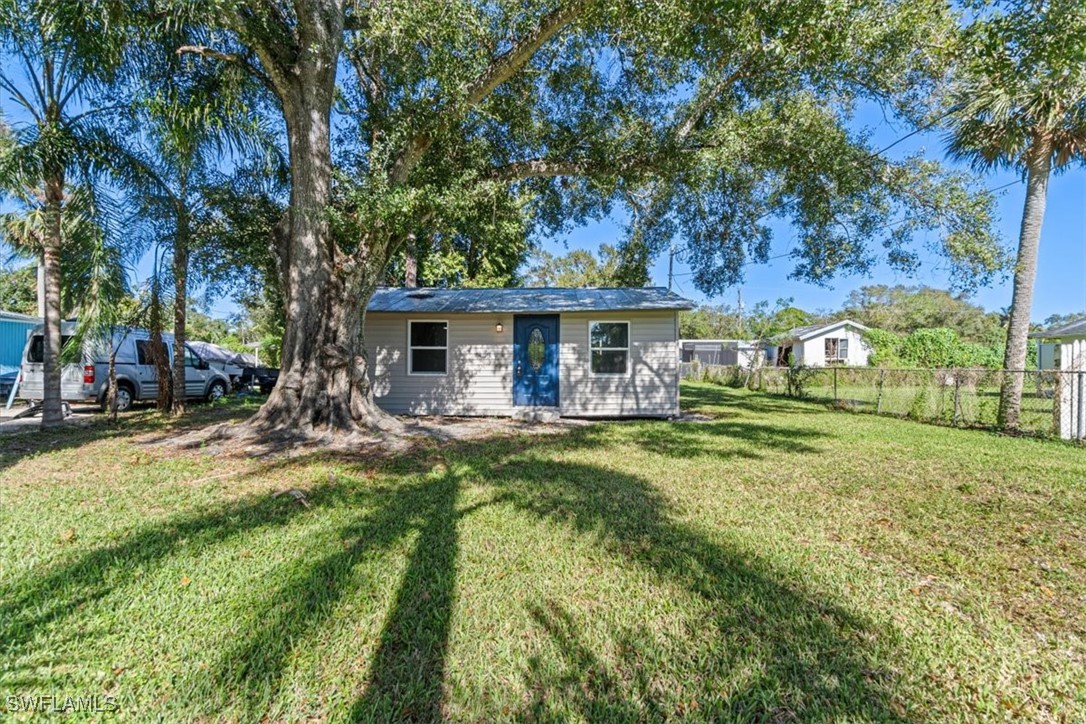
(582, 268)
(19, 290)
(708, 322)
(906, 309)
(93, 268)
(701, 119)
(1021, 103)
(192, 114)
(1059, 320)
(58, 60)
(242, 216)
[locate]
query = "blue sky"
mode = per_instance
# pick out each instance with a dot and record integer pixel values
(1061, 273)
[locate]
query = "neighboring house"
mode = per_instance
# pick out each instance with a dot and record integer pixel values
(818, 345)
(728, 352)
(1069, 357)
(13, 331)
(574, 352)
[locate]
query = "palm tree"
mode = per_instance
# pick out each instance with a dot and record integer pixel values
(192, 114)
(93, 265)
(58, 57)
(1021, 103)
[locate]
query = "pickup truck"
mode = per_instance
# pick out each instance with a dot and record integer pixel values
(262, 378)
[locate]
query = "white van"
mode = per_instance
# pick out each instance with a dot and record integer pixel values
(137, 376)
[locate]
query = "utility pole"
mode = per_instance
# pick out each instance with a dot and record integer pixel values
(740, 313)
(41, 289)
(671, 267)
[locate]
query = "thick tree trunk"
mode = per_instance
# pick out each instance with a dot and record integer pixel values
(180, 302)
(323, 381)
(52, 408)
(1039, 166)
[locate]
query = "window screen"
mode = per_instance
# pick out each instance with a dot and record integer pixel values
(428, 347)
(609, 343)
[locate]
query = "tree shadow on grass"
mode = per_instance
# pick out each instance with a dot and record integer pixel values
(145, 423)
(727, 439)
(29, 605)
(811, 657)
(407, 671)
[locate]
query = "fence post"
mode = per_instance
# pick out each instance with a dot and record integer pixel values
(1081, 431)
(835, 384)
(957, 389)
(878, 399)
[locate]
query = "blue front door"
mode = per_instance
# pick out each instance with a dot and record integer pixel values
(535, 361)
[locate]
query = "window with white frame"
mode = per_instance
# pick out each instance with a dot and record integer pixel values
(427, 347)
(836, 349)
(609, 343)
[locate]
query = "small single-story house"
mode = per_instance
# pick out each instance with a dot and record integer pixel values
(14, 329)
(507, 352)
(818, 345)
(1068, 356)
(728, 352)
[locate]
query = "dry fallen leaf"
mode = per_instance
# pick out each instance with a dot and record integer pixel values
(68, 535)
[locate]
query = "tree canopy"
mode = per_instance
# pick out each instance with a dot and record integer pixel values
(451, 136)
(906, 309)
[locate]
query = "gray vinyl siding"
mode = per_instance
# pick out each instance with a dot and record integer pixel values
(479, 380)
(651, 386)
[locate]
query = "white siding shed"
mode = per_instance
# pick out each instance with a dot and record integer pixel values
(819, 345)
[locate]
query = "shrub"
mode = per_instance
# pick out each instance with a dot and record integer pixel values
(884, 347)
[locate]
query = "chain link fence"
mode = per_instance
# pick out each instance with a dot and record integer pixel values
(959, 397)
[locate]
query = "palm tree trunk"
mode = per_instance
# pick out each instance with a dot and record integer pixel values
(111, 394)
(180, 302)
(1038, 168)
(158, 347)
(52, 409)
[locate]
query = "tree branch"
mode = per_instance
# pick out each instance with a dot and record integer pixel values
(206, 52)
(703, 104)
(508, 63)
(500, 69)
(539, 168)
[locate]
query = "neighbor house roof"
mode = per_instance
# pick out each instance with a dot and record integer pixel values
(1074, 329)
(814, 330)
(524, 300)
(15, 316)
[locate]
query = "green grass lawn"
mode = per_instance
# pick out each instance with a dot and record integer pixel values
(778, 562)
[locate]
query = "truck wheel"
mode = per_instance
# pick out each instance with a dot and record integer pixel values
(216, 391)
(124, 398)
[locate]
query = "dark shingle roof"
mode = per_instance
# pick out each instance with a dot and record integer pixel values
(524, 300)
(1074, 329)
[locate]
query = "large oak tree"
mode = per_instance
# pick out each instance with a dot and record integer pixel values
(703, 120)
